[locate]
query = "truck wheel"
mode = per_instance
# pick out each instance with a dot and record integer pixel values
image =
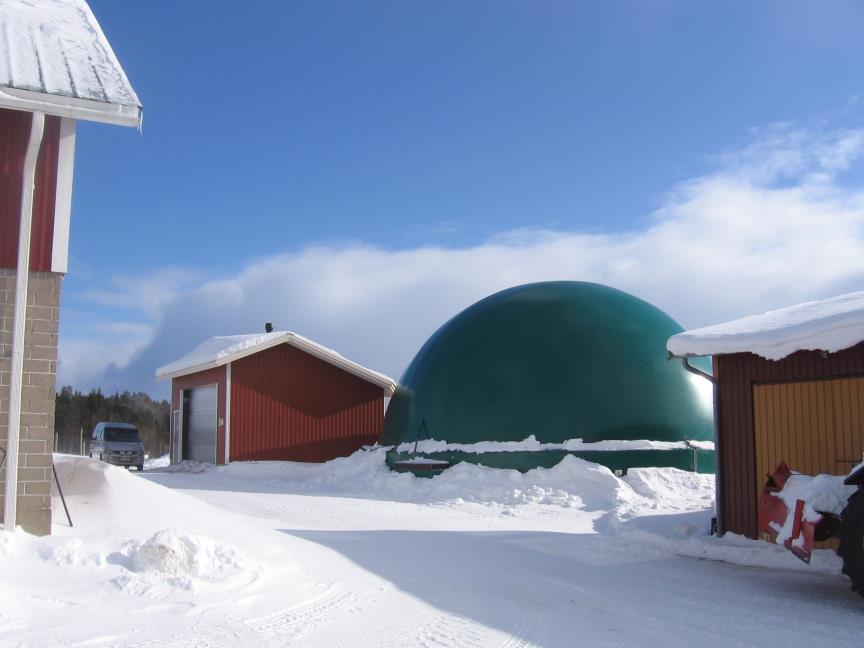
(140, 467)
(851, 536)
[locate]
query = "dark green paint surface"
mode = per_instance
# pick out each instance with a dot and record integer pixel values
(558, 360)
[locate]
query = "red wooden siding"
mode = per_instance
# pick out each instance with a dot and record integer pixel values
(736, 375)
(14, 134)
(289, 405)
(201, 379)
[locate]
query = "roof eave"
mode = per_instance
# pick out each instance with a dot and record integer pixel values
(360, 371)
(72, 107)
(213, 364)
(388, 385)
(189, 370)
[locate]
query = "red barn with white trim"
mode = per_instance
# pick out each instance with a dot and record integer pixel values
(272, 396)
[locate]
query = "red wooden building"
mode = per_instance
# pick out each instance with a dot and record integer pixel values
(272, 396)
(788, 386)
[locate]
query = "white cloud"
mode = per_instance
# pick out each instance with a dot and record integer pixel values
(148, 293)
(770, 227)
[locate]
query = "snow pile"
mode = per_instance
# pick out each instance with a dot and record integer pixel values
(186, 466)
(172, 560)
(100, 494)
(572, 483)
(653, 511)
(687, 541)
(68, 552)
(120, 508)
(181, 554)
(157, 462)
(531, 444)
(828, 325)
(672, 489)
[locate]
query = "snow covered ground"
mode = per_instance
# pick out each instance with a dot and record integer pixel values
(350, 554)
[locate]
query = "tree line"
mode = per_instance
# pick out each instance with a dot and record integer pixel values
(77, 413)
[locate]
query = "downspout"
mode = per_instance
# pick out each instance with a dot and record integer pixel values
(228, 414)
(718, 478)
(19, 317)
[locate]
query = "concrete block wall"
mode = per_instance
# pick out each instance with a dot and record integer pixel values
(38, 395)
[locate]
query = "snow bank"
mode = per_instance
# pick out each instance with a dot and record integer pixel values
(672, 489)
(122, 508)
(531, 444)
(572, 483)
(173, 560)
(651, 511)
(828, 325)
(181, 554)
(157, 462)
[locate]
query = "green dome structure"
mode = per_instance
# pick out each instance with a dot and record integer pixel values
(557, 360)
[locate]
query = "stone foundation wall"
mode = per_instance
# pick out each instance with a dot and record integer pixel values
(39, 390)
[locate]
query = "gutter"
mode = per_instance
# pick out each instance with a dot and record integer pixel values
(72, 107)
(28, 187)
(718, 476)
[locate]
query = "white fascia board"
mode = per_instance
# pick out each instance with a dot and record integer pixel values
(63, 200)
(72, 107)
(189, 370)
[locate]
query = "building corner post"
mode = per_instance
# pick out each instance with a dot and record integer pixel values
(19, 320)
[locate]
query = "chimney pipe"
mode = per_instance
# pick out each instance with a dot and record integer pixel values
(268, 327)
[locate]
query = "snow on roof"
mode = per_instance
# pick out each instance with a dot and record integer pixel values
(221, 350)
(55, 59)
(827, 325)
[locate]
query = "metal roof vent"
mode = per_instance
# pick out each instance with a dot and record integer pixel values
(268, 327)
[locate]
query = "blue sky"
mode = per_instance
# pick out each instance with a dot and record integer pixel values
(282, 138)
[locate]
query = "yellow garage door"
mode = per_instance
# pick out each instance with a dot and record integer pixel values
(815, 426)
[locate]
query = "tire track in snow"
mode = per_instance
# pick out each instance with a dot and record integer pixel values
(284, 626)
(292, 622)
(446, 631)
(531, 631)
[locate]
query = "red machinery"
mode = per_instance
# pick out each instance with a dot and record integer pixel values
(809, 525)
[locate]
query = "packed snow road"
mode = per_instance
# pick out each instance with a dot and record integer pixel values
(349, 554)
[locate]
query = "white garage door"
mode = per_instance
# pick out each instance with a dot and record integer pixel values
(201, 424)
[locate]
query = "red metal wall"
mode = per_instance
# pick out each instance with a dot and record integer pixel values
(289, 405)
(14, 134)
(202, 378)
(736, 375)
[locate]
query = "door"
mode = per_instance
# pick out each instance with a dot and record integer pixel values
(816, 426)
(199, 419)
